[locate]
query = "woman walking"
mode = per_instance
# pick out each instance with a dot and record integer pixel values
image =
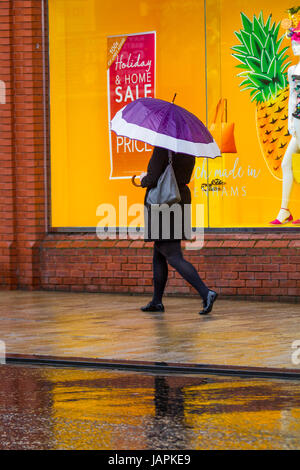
(169, 128)
(167, 249)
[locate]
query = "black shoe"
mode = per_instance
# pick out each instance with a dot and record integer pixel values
(150, 307)
(208, 304)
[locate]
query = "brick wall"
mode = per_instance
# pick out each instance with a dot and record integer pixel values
(248, 266)
(241, 265)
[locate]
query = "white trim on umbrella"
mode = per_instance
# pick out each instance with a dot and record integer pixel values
(135, 132)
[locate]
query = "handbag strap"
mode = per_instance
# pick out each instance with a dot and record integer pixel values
(170, 156)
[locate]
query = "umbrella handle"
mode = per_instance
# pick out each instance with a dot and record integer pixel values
(134, 183)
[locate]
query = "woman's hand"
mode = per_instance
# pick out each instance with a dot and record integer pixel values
(142, 175)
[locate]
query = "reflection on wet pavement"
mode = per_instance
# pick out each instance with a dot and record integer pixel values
(65, 408)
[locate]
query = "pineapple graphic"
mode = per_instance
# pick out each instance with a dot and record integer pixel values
(263, 61)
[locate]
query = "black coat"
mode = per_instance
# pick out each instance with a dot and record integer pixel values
(183, 166)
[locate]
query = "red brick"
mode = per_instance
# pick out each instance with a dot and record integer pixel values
(230, 243)
(129, 282)
(137, 274)
(104, 259)
(288, 267)
(280, 243)
(229, 275)
(271, 267)
(114, 266)
(144, 267)
(137, 244)
(279, 275)
(213, 244)
(129, 267)
(294, 291)
(262, 259)
(137, 289)
(113, 281)
(254, 267)
(245, 291)
(123, 243)
(246, 244)
(287, 283)
(294, 275)
(272, 283)
(145, 282)
(228, 291)
(237, 283)
(120, 259)
(247, 275)
(107, 243)
(294, 243)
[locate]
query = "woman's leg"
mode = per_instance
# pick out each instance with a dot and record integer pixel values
(287, 181)
(171, 250)
(160, 275)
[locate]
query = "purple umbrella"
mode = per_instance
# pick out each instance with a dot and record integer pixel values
(164, 124)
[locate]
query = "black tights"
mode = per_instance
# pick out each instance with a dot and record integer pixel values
(170, 252)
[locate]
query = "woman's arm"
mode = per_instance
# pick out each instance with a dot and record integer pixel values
(156, 166)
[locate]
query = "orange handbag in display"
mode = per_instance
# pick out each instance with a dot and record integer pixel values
(221, 130)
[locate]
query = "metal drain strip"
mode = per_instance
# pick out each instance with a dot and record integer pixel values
(154, 367)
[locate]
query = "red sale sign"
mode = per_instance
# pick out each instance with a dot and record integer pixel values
(130, 75)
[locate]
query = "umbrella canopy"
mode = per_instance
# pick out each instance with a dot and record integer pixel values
(164, 124)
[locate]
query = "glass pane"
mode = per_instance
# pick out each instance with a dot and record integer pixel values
(80, 154)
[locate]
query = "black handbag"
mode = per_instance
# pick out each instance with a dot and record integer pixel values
(166, 191)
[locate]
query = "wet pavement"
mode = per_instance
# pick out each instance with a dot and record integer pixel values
(111, 326)
(82, 408)
(67, 408)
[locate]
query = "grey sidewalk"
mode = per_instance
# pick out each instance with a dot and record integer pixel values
(110, 326)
